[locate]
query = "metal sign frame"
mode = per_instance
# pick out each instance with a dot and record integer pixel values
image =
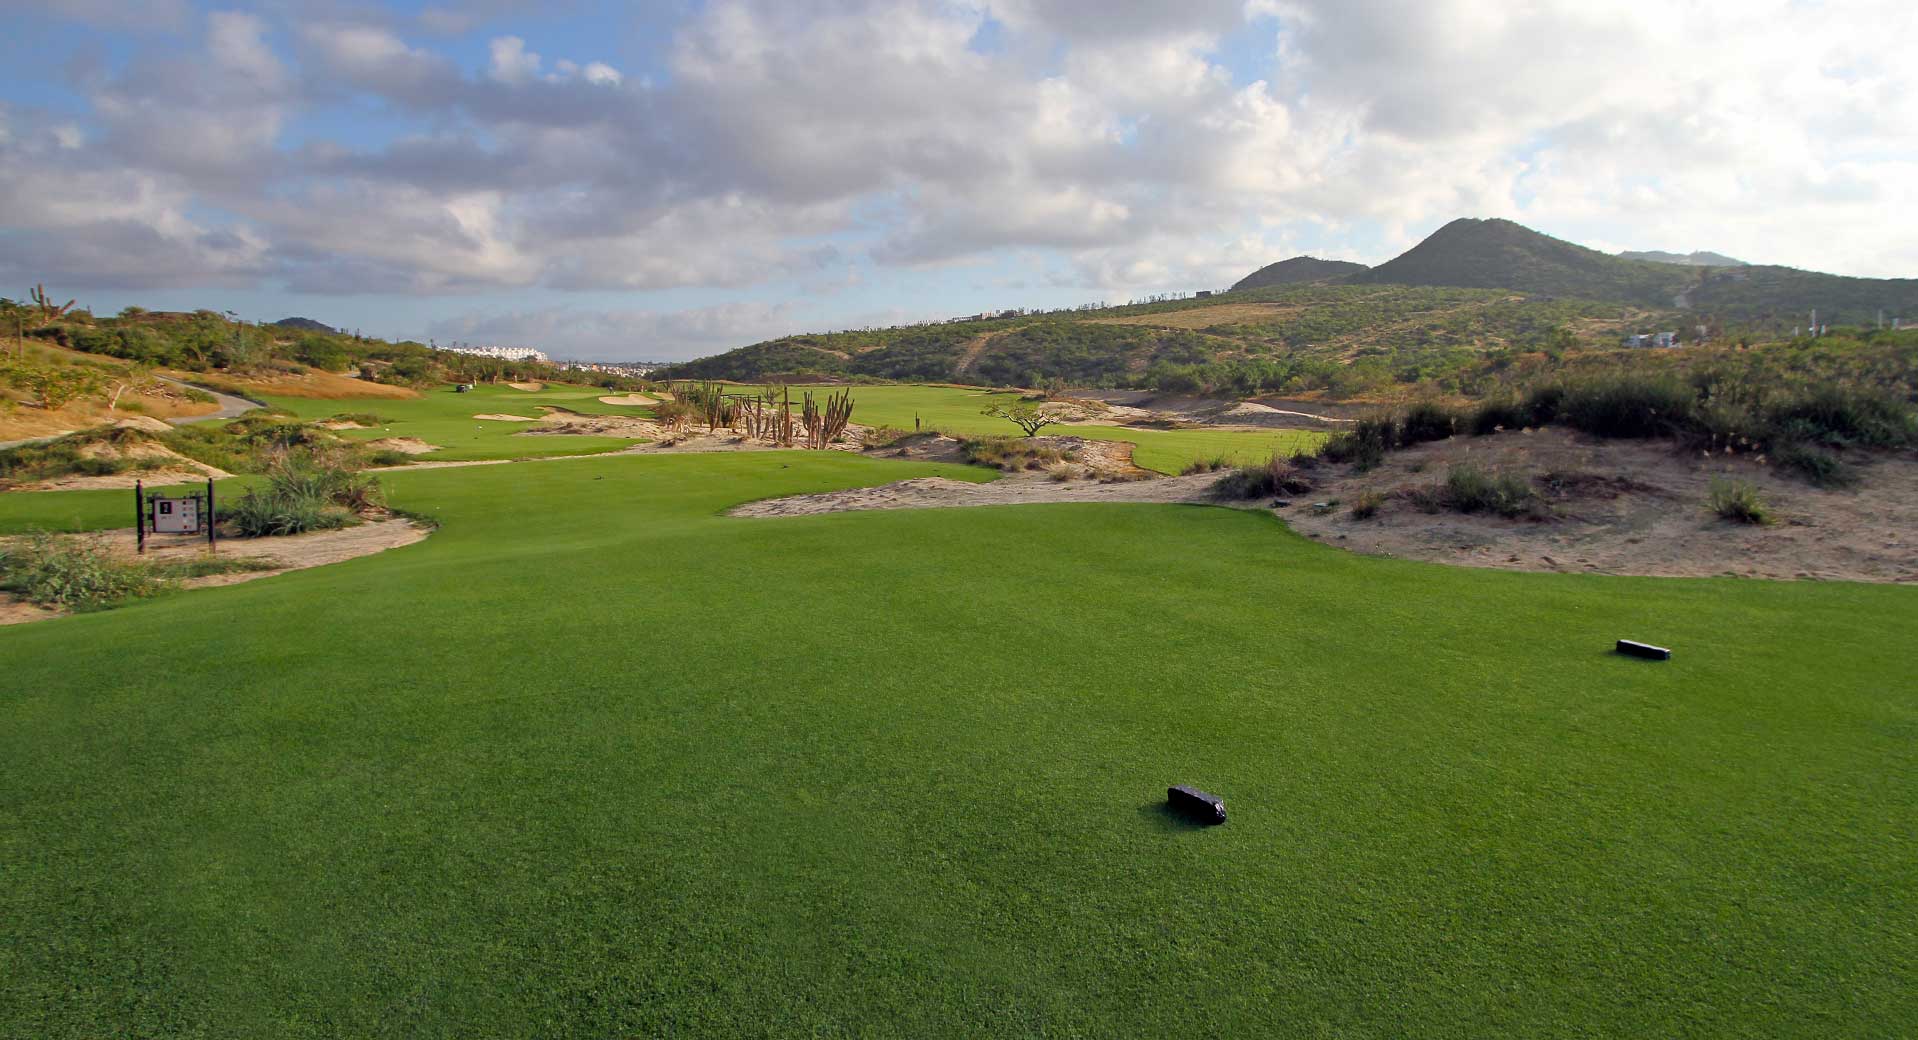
(146, 507)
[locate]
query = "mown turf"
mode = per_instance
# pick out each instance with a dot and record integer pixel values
(445, 418)
(957, 411)
(594, 760)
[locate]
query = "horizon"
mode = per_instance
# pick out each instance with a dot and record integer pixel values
(682, 179)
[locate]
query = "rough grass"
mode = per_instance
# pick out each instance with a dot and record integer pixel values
(900, 774)
(1738, 501)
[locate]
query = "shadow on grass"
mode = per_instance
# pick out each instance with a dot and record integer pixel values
(1164, 819)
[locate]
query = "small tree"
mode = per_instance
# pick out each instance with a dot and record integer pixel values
(1024, 415)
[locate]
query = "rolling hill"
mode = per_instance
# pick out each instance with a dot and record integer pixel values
(1300, 270)
(1694, 259)
(1474, 287)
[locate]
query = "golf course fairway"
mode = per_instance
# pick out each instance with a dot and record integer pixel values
(596, 760)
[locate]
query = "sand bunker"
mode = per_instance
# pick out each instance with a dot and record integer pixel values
(630, 400)
(408, 445)
(528, 387)
(162, 466)
(500, 417)
(942, 493)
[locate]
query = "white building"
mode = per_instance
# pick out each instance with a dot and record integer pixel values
(502, 353)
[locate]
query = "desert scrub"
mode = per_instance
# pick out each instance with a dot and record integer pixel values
(1273, 477)
(1469, 488)
(1364, 443)
(304, 492)
(1211, 465)
(70, 574)
(1738, 501)
(92, 453)
(1818, 467)
(1366, 505)
(1010, 454)
(883, 437)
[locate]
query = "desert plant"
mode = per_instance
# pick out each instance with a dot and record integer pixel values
(1024, 415)
(1469, 488)
(1494, 415)
(825, 424)
(71, 574)
(1426, 421)
(1626, 406)
(1364, 443)
(1273, 477)
(1818, 467)
(1738, 501)
(1365, 505)
(303, 492)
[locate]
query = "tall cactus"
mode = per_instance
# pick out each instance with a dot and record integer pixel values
(824, 425)
(49, 310)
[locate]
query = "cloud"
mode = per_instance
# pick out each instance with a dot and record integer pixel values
(768, 143)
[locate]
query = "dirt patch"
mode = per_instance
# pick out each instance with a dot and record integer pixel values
(143, 422)
(630, 401)
(528, 387)
(942, 493)
(502, 417)
(1624, 507)
(160, 465)
(310, 384)
(559, 421)
(1207, 317)
(291, 553)
(408, 445)
(341, 424)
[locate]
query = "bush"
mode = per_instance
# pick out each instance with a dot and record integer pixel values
(1738, 501)
(1274, 477)
(1366, 505)
(303, 493)
(1470, 489)
(1626, 406)
(389, 457)
(883, 436)
(1818, 467)
(1426, 421)
(1364, 443)
(1845, 415)
(1211, 465)
(1010, 454)
(1492, 416)
(66, 573)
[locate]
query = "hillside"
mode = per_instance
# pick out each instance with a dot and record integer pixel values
(1694, 259)
(1299, 270)
(305, 325)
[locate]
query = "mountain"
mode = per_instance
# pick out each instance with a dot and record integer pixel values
(1300, 270)
(305, 325)
(1698, 259)
(1499, 254)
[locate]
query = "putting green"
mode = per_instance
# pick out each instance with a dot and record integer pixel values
(597, 760)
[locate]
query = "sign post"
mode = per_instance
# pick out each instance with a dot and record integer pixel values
(140, 512)
(159, 513)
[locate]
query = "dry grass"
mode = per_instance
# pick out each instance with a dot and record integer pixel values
(1206, 317)
(311, 384)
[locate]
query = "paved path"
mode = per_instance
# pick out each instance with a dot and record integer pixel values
(231, 407)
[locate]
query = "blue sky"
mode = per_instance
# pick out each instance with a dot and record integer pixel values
(662, 180)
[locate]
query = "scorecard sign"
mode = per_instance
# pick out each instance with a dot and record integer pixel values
(157, 512)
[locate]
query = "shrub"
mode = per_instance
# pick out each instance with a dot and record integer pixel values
(1845, 415)
(389, 457)
(1364, 443)
(1366, 505)
(883, 436)
(1470, 489)
(1426, 421)
(1492, 416)
(673, 413)
(1738, 501)
(1211, 465)
(70, 574)
(1626, 406)
(1818, 467)
(1274, 477)
(303, 493)
(1010, 454)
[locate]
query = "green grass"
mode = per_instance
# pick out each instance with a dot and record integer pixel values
(957, 411)
(440, 416)
(25, 511)
(595, 760)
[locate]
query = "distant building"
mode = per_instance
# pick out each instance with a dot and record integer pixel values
(1652, 339)
(502, 353)
(1202, 294)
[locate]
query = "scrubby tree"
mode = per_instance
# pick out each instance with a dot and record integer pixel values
(1024, 415)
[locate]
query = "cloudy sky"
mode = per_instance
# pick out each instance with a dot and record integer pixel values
(663, 180)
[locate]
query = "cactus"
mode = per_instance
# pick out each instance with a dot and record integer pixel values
(824, 425)
(49, 311)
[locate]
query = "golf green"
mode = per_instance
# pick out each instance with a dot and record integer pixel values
(597, 760)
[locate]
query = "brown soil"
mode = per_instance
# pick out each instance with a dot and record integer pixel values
(341, 424)
(1140, 408)
(165, 466)
(562, 422)
(941, 493)
(409, 445)
(292, 553)
(311, 384)
(1206, 317)
(1628, 507)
